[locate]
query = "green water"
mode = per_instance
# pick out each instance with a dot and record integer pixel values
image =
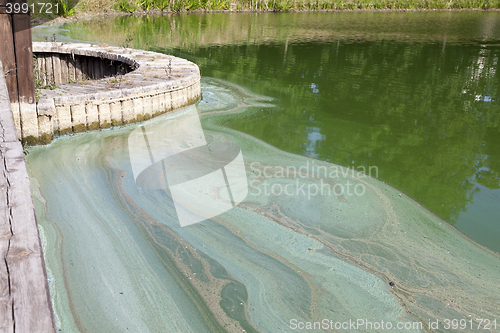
(118, 260)
(415, 95)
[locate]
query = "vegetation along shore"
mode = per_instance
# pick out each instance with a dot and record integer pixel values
(82, 8)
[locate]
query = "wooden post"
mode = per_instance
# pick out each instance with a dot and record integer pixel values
(16, 55)
(25, 76)
(8, 59)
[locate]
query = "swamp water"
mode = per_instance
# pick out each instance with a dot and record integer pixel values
(414, 95)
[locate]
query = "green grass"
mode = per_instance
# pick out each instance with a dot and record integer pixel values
(65, 8)
(100, 6)
(308, 5)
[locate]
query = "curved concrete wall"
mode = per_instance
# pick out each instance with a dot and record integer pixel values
(102, 86)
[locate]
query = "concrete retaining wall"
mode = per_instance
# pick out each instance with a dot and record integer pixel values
(111, 86)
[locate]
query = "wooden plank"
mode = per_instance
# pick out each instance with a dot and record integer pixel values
(6, 319)
(38, 65)
(49, 69)
(7, 56)
(42, 69)
(56, 67)
(25, 304)
(64, 67)
(96, 67)
(85, 71)
(102, 62)
(106, 68)
(71, 69)
(90, 68)
(32, 309)
(78, 68)
(24, 57)
(23, 48)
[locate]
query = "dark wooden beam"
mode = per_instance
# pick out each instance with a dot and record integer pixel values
(8, 56)
(24, 57)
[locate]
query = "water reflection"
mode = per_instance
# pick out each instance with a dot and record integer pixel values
(313, 139)
(415, 94)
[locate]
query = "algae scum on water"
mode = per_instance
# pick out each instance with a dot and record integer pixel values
(411, 99)
(118, 259)
(414, 94)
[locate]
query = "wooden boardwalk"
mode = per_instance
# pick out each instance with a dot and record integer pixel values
(25, 304)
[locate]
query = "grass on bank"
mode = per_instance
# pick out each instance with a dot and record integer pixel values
(301, 5)
(74, 7)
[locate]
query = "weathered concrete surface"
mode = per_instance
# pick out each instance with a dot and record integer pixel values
(152, 83)
(25, 304)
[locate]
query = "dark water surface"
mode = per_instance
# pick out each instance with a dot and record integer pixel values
(415, 94)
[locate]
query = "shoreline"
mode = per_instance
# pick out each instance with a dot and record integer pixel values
(37, 21)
